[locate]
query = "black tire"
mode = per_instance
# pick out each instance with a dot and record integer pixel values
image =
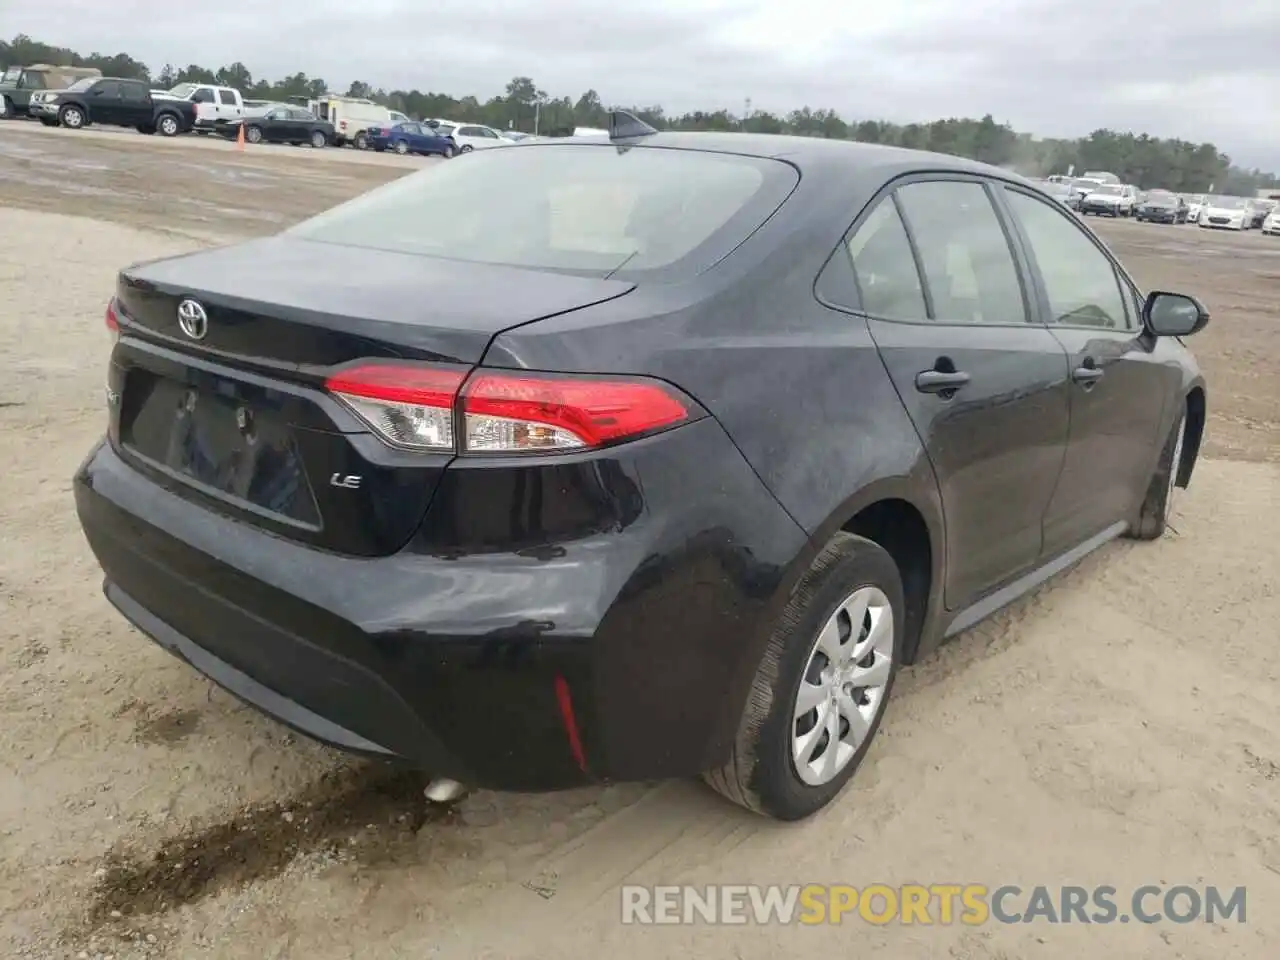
(1153, 516)
(253, 134)
(401, 147)
(168, 125)
(362, 141)
(72, 117)
(448, 153)
(318, 139)
(760, 774)
(466, 148)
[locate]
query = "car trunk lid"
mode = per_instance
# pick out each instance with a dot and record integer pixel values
(236, 417)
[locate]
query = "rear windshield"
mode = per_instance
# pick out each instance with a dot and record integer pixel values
(583, 208)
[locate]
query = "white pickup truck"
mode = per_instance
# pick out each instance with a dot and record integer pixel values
(214, 105)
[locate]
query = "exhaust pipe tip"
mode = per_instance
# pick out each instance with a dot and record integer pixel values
(442, 790)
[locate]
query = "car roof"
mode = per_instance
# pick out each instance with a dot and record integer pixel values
(817, 158)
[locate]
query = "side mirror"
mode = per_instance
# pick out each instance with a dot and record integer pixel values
(1173, 314)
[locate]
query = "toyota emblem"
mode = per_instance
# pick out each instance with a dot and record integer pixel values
(192, 319)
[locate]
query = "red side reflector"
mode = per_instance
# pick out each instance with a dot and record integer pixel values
(570, 722)
(399, 383)
(596, 411)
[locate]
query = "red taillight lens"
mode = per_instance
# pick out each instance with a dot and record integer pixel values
(412, 407)
(515, 413)
(112, 319)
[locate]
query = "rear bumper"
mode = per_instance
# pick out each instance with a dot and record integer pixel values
(462, 660)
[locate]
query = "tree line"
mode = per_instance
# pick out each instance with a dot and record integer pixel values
(1135, 157)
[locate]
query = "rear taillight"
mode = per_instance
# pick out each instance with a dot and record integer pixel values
(417, 407)
(112, 319)
(410, 407)
(524, 412)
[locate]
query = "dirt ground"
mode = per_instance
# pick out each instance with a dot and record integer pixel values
(1121, 726)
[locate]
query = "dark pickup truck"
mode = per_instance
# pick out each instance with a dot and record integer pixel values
(114, 102)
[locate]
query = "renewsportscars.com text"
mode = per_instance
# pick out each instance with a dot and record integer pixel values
(926, 904)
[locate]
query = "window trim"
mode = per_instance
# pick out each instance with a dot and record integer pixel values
(1022, 266)
(1121, 277)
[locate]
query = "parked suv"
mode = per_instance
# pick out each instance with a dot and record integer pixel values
(573, 463)
(19, 83)
(114, 102)
(1111, 199)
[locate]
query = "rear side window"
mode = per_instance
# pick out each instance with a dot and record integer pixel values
(1080, 281)
(227, 97)
(580, 208)
(133, 92)
(885, 268)
(964, 253)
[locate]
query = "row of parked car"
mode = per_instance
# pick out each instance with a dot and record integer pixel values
(75, 97)
(1102, 194)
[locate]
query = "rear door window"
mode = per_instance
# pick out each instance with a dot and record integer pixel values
(227, 97)
(965, 255)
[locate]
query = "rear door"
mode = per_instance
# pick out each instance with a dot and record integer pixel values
(983, 381)
(229, 105)
(1118, 387)
(135, 104)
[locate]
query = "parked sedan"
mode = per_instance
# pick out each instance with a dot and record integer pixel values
(281, 124)
(640, 469)
(1161, 206)
(412, 137)
(1226, 213)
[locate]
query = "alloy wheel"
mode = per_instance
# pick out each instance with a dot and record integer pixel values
(842, 689)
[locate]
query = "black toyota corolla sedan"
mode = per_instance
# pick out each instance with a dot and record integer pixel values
(660, 462)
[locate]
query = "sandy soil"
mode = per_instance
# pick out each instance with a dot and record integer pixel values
(1119, 727)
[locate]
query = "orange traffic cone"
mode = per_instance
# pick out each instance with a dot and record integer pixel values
(240, 138)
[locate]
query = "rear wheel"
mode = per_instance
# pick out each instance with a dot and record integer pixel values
(168, 125)
(401, 147)
(253, 134)
(362, 142)
(317, 139)
(466, 149)
(448, 152)
(1157, 506)
(821, 688)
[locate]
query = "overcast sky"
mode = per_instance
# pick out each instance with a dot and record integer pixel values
(1188, 68)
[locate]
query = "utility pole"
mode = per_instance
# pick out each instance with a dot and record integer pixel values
(746, 112)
